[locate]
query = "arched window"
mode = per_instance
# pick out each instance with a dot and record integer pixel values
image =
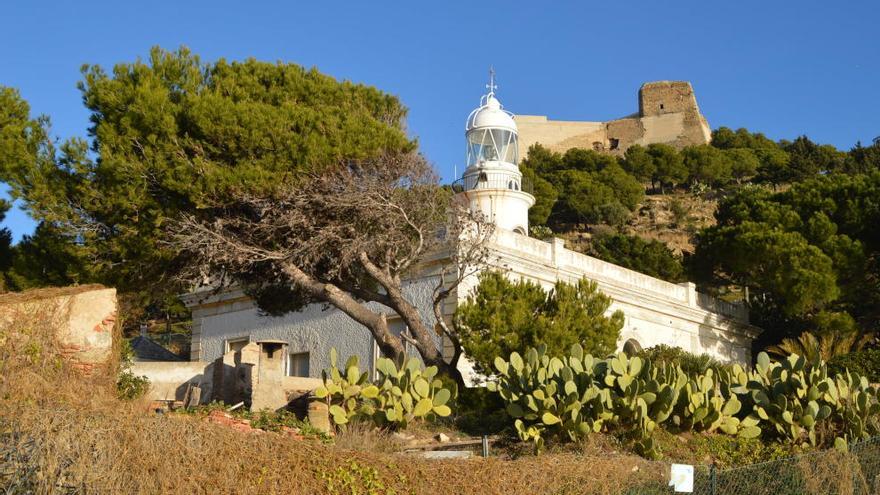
(520, 231)
(632, 347)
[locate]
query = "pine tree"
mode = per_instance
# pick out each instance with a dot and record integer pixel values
(503, 316)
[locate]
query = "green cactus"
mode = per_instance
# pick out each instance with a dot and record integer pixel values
(577, 394)
(398, 396)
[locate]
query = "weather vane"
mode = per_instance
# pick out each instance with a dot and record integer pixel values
(491, 86)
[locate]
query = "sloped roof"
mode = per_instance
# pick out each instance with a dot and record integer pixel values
(146, 349)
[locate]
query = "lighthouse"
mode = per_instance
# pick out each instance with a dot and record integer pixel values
(492, 183)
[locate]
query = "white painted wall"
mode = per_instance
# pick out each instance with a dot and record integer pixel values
(315, 330)
(169, 379)
(656, 311)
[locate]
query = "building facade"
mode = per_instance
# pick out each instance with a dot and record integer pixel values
(656, 311)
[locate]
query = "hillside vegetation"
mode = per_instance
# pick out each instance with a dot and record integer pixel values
(784, 225)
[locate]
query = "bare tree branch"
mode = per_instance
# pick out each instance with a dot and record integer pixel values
(347, 237)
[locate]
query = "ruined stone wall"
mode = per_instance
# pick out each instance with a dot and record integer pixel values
(668, 113)
(82, 320)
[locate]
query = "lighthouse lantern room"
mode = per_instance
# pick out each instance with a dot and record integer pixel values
(492, 182)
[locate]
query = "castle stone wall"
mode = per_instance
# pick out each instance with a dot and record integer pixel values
(668, 113)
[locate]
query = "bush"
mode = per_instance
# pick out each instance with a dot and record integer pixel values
(504, 316)
(675, 356)
(128, 385)
(865, 362)
(650, 257)
(480, 412)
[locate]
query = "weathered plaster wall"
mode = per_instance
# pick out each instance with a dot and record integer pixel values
(82, 319)
(558, 135)
(314, 330)
(668, 113)
(656, 311)
(169, 379)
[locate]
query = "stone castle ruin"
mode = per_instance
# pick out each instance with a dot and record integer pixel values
(668, 113)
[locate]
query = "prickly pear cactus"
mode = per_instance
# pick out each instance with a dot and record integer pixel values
(396, 398)
(577, 394)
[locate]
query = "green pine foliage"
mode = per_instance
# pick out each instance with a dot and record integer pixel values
(580, 186)
(504, 316)
(810, 248)
(170, 134)
(6, 256)
(650, 257)
(865, 362)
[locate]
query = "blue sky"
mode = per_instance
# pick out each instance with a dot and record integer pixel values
(781, 67)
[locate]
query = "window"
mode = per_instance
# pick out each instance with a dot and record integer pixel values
(661, 106)
(237, 344)
(491, 145)
(613, 143)
(298, 364)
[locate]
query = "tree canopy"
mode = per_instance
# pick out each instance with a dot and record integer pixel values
(580, 186)
(650, 257)
(173, 134)
(802, 251)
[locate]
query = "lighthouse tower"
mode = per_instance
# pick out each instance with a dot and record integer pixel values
(492, 182)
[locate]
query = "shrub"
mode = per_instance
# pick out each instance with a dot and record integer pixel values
(650, 257)
(504, 316)
(679, 212)
(129, 386)
(676, 356)
(865, 362)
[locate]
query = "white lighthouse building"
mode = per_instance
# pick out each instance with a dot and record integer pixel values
(656, 311)
(492, 182)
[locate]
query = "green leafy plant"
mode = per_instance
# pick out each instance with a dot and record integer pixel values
(128, 385)
(865, 362)
(354, 479)
(503, 316)
(574, 395)
(400, 395)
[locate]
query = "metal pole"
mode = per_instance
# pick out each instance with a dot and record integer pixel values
(485, 445)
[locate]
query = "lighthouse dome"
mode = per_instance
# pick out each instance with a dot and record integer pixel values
(490, 114)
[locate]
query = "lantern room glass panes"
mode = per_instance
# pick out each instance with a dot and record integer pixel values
(492, 145)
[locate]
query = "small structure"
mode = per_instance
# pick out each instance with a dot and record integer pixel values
(267, 390)
(147, 349)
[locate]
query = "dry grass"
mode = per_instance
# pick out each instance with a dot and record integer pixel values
(64, 433)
